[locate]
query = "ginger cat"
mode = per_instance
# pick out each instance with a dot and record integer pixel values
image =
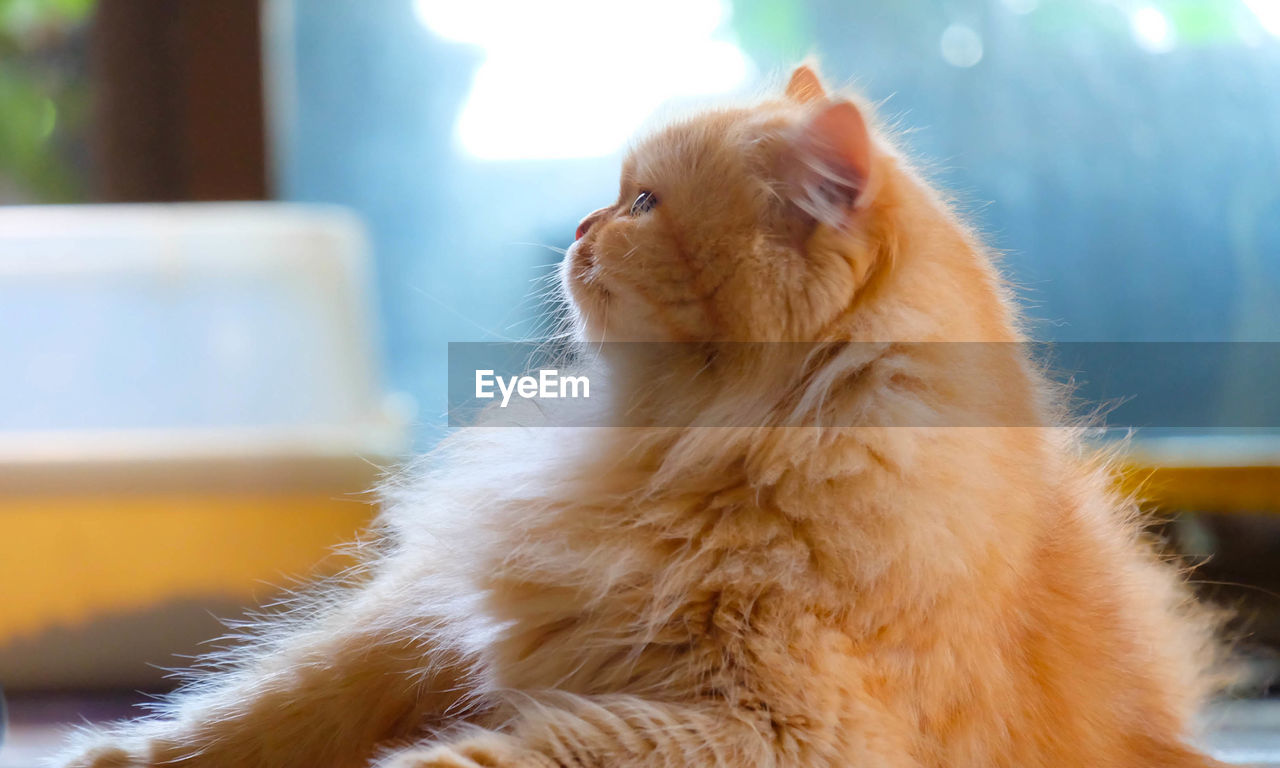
(866, 596)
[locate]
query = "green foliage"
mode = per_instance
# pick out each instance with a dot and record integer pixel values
(42, 98)
(17, 15)
(1204, 21)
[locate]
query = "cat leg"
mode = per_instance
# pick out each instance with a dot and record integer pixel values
(621, 731)
(317, 695)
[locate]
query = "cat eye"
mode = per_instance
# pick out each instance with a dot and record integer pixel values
(644, 203)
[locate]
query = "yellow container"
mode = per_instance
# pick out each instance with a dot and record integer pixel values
(118, 552)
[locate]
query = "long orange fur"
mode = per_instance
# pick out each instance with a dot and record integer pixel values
(768, 594)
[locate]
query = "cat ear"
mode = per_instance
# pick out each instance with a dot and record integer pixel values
(827, 168)
(804, 85)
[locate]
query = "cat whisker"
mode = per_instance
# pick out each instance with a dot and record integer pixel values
(446, 307)
(552, 248)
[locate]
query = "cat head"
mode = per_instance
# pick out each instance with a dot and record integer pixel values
(748, 224)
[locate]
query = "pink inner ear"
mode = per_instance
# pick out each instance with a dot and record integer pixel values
(828, 169)
(839, 134)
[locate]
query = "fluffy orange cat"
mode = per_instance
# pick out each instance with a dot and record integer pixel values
(769, 594)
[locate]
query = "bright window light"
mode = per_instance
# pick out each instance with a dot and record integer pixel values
(1152, 30)
(576, 78)
(1268, 13)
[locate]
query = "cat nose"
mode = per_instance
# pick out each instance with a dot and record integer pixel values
(587, 222)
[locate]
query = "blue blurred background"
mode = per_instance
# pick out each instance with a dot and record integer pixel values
(1125, 156)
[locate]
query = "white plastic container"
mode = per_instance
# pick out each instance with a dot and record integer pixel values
(187, 316)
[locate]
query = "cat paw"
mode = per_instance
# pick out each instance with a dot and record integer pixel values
(134, 745)
(101, 754)
(486, 751)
